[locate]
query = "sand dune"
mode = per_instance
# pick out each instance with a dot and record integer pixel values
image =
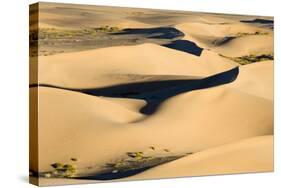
(250, 155)
(160, 101)
(51, 20)
(190, 109)
(256, 79)
(99, 69)
(218, 30)
(174, 120)
(70, 120)
(255, 44)
(206, 35)
(131, 104)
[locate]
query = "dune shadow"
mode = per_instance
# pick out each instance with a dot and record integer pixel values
(223, 40)
(185, 46)
(130, 168)
(112, 176)
(155, 92)
(166, 36)
(153, 33)
(261, 22)
(258, 20)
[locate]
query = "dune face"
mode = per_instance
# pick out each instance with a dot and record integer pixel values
(220, 160)
(126, 94)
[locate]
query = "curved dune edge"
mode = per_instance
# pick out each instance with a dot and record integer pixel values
(205, 35)
(247, 45)
(244, 156)
(107, 130)
(229, 27)
(250, 155)
(256, 79)
(100, 70)
(201, 31)
(131, 104)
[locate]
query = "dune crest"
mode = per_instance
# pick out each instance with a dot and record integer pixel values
(65, 70)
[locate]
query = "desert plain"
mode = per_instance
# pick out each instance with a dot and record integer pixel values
(121, 94)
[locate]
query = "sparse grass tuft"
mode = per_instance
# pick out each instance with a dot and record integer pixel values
(137, 160)
(52, 33)
(242, 34)
(74, 159)
(61, 171)
(247, 59)
(152, 147)
(57, 165)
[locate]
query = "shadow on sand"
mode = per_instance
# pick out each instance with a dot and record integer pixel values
(112, 176)
(166, 36)
(262, 22)
(154, 33)
(155, 92)
(258, 20)
(185, 46)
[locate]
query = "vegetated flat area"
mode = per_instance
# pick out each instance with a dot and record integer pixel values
(128, 93)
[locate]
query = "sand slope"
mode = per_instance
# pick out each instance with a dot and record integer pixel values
(100, 69)
(256, 79)
(105, 124)
(255, 44)
(250, 155)
(206, 35)
(190, 118)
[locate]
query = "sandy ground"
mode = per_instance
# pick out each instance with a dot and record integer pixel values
(220, 160)
(212, 126)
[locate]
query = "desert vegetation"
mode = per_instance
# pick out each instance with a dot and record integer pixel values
(242, 34)
(247, 59)
(53, 33)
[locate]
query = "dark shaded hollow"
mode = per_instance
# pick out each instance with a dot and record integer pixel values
(165, 33)
(153, 33)
(155, 92)
(185, 46)
(133, 168)
(258, 20)
(112, 176)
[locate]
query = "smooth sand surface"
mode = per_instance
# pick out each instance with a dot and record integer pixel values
(219, 29)
(256, 79)
(241, 46)
(99, 69)
(131, 104)
(249, 155)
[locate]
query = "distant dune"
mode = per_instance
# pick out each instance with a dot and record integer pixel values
(254, 44)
